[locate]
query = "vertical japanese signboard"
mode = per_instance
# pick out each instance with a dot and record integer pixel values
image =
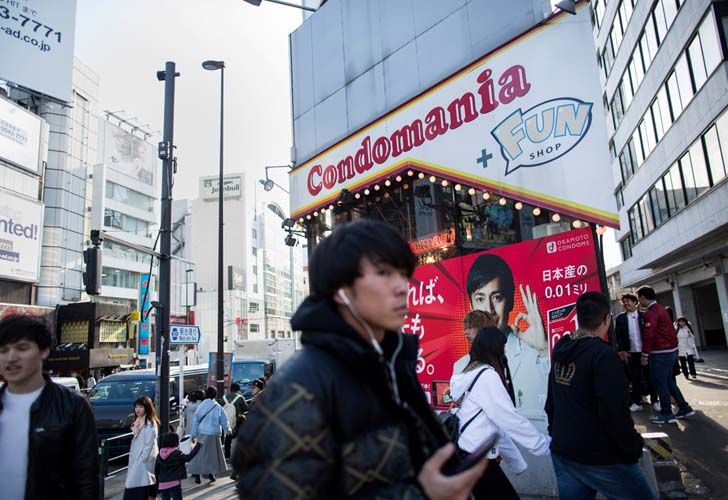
(530, 288)
(144, 306)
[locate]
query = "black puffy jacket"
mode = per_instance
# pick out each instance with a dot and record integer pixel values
(63, 459)
(329, 424)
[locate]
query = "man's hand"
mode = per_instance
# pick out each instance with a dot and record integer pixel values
(535, 335)
(623, 356)
(644, 361)
(439, 486)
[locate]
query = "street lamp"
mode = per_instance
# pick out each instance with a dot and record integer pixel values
(211, 65)
(268, 183)
(280, 2)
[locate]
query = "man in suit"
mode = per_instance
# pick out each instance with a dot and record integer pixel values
(628, 328)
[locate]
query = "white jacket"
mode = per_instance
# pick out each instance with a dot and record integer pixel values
(498, 419)
(142, 457)
(686, 342)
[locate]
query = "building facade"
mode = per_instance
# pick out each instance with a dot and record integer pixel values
(664, 77)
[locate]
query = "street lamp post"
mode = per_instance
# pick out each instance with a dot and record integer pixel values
(220, 375)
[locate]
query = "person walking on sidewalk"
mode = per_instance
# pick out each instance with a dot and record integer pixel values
(487, 410)
(346, 417)
(594, 447)
(209, 424)
(628, 327)
(235, 408)
(170, 467)
(140, 480)
(48, 446)
(687, 351)
(660, 351)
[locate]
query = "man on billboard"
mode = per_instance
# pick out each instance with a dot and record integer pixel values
(491, 288)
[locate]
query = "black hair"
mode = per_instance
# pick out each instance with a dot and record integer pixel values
(210, 393)
(647, 292)
(150, 411)
(169, 440)
(17, 327)
(485, 269)
(259, 383)
(234, 387)
(591, 309)
(488, 347)
(337, 259)
(629, 296)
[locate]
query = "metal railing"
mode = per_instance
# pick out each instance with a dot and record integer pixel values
(104, 460)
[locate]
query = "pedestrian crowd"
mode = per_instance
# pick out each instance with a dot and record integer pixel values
(347, 417)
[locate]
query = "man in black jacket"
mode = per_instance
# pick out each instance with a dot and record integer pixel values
(47, 433)
(628, 328)
(346, 417)
(594, 446)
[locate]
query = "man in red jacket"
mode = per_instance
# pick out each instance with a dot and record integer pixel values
(659, 349)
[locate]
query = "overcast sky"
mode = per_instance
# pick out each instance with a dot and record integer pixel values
(127, 41)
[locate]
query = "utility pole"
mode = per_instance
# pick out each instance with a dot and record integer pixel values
(169, 166)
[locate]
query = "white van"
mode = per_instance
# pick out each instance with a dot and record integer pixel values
(69, 382)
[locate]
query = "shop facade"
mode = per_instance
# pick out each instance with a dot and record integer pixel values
(496, 164)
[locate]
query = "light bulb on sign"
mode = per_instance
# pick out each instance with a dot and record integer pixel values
(445, 183)
(458, 187)
(471, 191)
(398, 178)
(518, 205)
(357, 196)
(366, 192)
(556, 217)
(536, 211)
(376, 187)
(486, 196)
(387, 183)
(576, 224)
(502, 201)
(433, 178)
(420, 175)
(410, 173)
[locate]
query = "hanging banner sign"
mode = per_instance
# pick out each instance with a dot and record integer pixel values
(525, 121)
(530, 288)
(145, 299)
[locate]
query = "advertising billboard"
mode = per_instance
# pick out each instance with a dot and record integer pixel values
(530, 287)
(21, 223)
(128, 154)
(38, 34)
(145, 301)
(525, 121)
(20, 136)
(232, 187)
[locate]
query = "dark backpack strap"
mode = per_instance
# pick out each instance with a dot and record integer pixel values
(470, 388)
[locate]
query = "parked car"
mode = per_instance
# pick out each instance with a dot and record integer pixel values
(70, 382)
(112, 400)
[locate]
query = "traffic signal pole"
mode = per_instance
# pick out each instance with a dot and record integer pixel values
(166, 154)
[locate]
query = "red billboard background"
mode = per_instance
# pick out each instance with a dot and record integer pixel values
(549, 272)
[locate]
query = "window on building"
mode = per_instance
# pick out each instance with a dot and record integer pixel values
(646, 217)
(130, 197)
(674, 189)
(120, 278)
(635, 225)
(626, 246)
(695, 171)
(659, 205)
(254, 328)
(716, 160)
(684, 82)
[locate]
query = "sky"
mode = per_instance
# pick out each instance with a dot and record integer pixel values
(127, 41)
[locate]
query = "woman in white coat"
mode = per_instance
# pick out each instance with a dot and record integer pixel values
(687, 352)
(489, 414)
(140, 480)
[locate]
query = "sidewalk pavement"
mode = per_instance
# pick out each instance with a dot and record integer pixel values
(716, 364)
(222, 489)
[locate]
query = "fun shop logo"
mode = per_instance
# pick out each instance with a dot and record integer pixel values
(543, 133)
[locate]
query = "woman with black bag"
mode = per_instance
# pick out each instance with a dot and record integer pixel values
(487, 413)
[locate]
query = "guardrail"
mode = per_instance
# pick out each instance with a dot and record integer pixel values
(104, 460)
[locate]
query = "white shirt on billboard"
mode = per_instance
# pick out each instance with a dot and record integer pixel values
(529, 373)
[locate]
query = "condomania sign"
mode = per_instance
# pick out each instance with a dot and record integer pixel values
(525, 121)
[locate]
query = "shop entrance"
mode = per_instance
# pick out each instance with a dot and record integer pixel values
(709, 315)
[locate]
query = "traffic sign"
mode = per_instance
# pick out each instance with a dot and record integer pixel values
(184, 334)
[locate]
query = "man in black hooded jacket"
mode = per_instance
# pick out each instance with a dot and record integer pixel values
(594, 447)
(346, 417)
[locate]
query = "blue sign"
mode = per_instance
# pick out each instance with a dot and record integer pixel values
(184, 334)
(144, 306)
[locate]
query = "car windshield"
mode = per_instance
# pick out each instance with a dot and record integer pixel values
(121, 391)
(247, 372)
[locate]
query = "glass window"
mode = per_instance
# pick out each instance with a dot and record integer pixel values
(722, 129)
(673, 95)
(624, 164)
(674, 189)
(716, 161)
(684, 82)
(670, 8)
(710, 43)
(626, 246)
(697, 63)
(637, 68)
(659, 206)
(648, 224)
(660, 21)
(637, 149)
(657, 118)
(700, 167)
(647, 132)
(649, 42)
(635, 223)
(665, 113)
